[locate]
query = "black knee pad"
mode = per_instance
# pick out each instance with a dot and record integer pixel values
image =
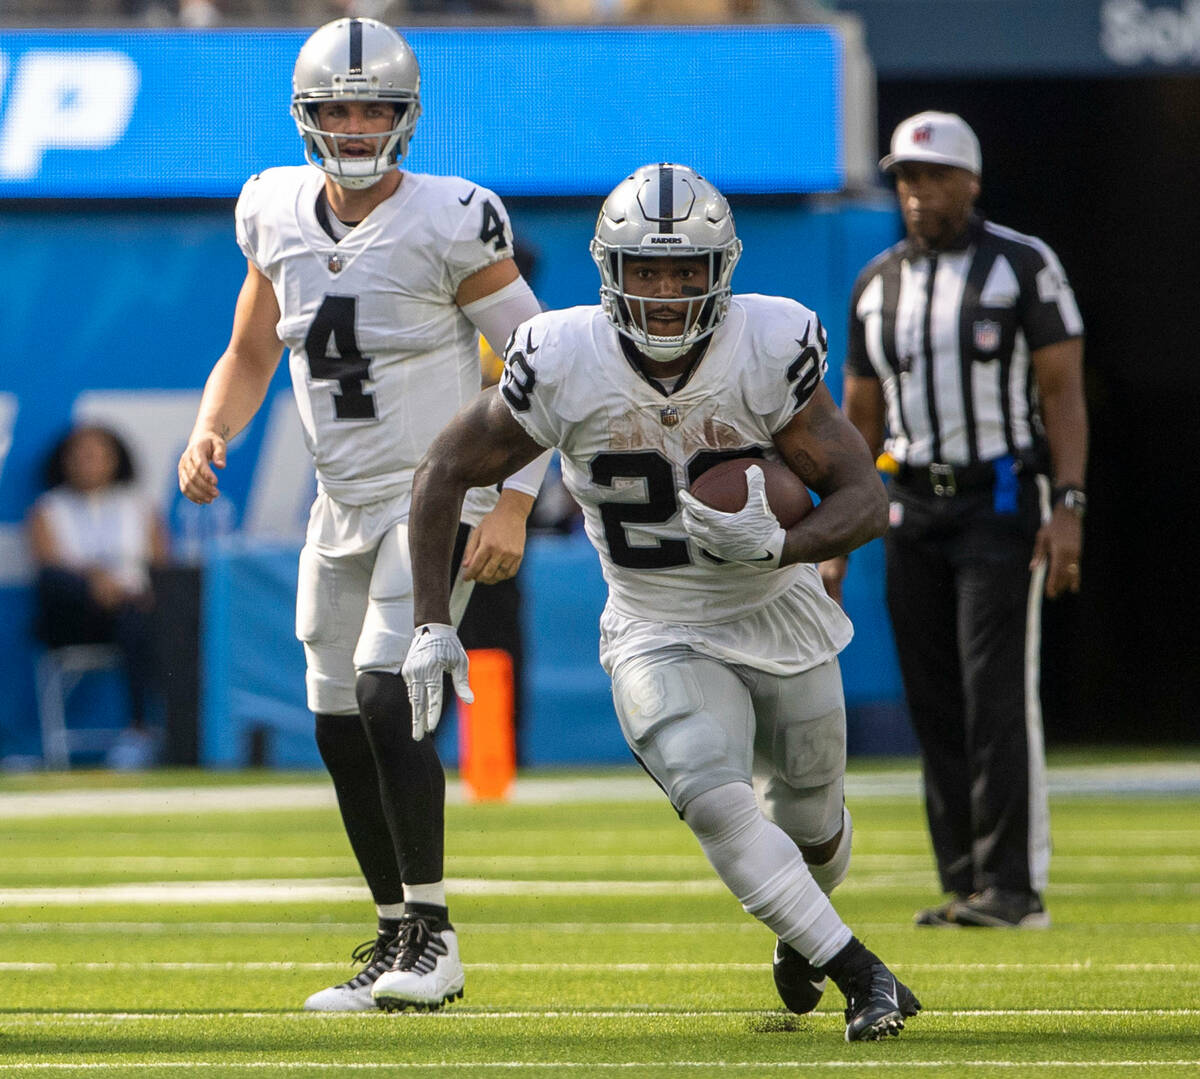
(387, 720)
(383, 700)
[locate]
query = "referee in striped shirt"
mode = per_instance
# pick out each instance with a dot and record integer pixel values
(965, 374)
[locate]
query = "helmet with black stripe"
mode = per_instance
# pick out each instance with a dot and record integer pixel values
(356, 60)
(665, 211)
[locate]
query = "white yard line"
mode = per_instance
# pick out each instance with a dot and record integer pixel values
(1168, 777)
(462, 1013)
(193, 893)
(586, 1066)
(258, 929)
(889, 866)
(540, 929)
(334, 890)
(533, 968)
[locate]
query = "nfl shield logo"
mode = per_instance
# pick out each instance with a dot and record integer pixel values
(669, 416)
(335, 264)
(987, 335)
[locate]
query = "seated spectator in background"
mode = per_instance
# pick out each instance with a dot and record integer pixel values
(94, 538)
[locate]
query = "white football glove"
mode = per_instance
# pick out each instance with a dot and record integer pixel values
(753, 535)
(435, 649)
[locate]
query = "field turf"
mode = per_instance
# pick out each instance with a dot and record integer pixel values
(170, 924)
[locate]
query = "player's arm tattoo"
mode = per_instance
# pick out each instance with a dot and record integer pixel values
(805, 466)
(825, 451)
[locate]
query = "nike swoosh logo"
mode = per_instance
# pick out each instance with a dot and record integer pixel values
(761, 558)
(467, 200)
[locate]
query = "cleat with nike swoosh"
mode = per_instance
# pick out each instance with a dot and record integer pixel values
(877, 1005)
(799, 984)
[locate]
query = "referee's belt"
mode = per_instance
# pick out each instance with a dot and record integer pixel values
(945, 481)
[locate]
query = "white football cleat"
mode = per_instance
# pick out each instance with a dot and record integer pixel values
(427, 972)
(355, 995)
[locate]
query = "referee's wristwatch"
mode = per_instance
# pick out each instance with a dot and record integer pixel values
(1072, 499)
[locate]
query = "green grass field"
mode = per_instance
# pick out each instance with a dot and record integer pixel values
(171, 924)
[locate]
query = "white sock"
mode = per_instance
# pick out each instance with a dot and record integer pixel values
(389, 910)
(764, 869)
(830, 874)
(432, 894)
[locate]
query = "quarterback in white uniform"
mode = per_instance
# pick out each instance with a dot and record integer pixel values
(378, 282)
(718, 635)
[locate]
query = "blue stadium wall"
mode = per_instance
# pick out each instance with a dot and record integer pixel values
(115, 310)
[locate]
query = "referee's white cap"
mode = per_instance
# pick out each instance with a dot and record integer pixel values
(942, 138)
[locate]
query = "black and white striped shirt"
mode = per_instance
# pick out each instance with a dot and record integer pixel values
(949, 336)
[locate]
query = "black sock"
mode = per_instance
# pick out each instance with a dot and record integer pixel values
(847, 967)
(389, 928)
(347, 754)
(438, 917)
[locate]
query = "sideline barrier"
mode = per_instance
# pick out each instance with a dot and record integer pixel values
(118, 359)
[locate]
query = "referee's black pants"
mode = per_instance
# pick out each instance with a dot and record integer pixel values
(965, 612)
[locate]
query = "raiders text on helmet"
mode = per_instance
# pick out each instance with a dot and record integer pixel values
(356, 60)
(665, 210)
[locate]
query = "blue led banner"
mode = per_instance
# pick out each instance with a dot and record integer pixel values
(527, 111)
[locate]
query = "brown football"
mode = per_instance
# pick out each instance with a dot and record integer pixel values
(724, 488)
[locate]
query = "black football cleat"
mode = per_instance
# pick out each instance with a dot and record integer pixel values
(877, 1005)
(940, 916)
(998, 908)
(799, 984)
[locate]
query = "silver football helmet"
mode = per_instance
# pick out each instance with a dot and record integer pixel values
(665, 210)
(356, 60)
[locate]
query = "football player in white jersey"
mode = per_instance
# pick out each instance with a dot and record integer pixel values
(720, 641)
(378, 282)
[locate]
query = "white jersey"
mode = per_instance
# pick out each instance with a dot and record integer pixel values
(381, 356)
(627, 446)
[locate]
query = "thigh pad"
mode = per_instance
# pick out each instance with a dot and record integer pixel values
(688, 719)
(800, 759)
(331, 600)
(388, 625)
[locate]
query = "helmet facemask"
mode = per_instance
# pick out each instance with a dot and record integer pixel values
(360, 60)
(356, 172)
(705, 310)
(665, 211)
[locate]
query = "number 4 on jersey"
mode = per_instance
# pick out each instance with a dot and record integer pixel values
(492, 228)
(332, 350)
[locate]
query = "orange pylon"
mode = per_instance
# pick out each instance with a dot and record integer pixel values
(487, 748)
